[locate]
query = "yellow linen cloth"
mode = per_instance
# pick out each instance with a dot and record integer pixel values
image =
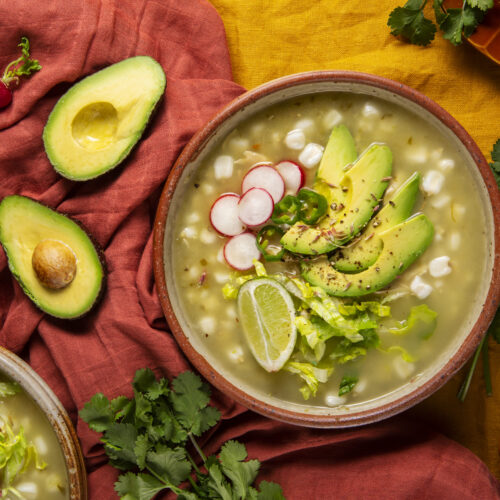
(272, 38)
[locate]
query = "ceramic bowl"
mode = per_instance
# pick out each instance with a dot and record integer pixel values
(446, 363)
(33, 385)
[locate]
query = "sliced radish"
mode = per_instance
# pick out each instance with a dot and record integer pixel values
(264, 177)
(292, 174)
(255, 207)
(224, 215)
(241, 250)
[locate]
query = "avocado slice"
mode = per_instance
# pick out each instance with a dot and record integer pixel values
(402, 245)
(97, 122)
(26, 226)
(360, 190)
(364, 253)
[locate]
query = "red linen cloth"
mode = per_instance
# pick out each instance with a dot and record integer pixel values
(127, 331)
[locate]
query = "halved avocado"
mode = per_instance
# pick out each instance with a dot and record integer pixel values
(95, 125)
(361, 188)
(402, 245)
(51, 256)
(364, 253)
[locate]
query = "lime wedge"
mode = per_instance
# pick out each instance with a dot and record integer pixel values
(267, 315)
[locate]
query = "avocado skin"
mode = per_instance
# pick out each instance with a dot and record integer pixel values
(18, 275)
(50, 142)
(395, 257)
(364, 253)
(363, 182)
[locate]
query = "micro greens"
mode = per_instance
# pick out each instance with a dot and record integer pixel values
(410, 21)
(148, 437)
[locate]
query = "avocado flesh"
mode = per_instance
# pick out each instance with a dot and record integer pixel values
(363, 254)
(94, 126)
(360, 190)
(23, 224)
(402, 245)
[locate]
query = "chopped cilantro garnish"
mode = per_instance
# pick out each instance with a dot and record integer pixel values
(147, 438)
(347, 384)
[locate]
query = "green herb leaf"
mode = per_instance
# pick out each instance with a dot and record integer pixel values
(347, 384)
(440, 15)
(494, 329)
(495, 164)
(23, 66)
(138, 486)
(458, 20)
(218, 484)
(119, 440)
(97, 413)
(270, 491)
(410, 22)
(481, 4)
(170, 465)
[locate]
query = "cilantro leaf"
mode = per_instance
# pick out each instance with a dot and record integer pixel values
(439, 13)
(458, 20)
(410, 22)
(242, 474)
(170, 465)
(119, 442)
(97, 413)
(138, 486)
(190, 401)
(270, 491)
(481, 4)
(218, 484)
(495, 164)
(347, 384)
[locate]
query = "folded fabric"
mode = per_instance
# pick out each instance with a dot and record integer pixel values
(127, 331)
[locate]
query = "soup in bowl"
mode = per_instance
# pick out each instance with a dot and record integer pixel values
(325, 248)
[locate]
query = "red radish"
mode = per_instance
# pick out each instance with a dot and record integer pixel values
(264, 177)
(224, 215)
(241, 250)
(255, 207)
(292, 174)
(23, 66)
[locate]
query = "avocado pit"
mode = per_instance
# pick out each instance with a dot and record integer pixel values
(94, 127)
(54, 264)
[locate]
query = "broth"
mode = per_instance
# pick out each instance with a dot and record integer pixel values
(19, 411)
(456, 213)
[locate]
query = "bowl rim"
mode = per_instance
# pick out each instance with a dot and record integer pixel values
(400, 404)
(43, 396)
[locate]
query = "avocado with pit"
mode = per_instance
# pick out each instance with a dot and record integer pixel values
(402, 245)
(352, 204)
(51, 256)
(97, 122)
(364, 253)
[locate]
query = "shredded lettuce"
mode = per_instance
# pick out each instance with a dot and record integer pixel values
(418, 314)
(401, 350)
(310, 374)
(9, 389)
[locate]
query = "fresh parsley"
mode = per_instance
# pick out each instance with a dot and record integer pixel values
(152, 435)
(410, 22)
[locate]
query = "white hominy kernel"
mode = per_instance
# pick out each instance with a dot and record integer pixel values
(311, 155)
(238, 145)
(455, 239)
(446, 164)
(276, 137)
(420, 288)
(360, 386)
(28, 488)
(220, 256)
(436, 154)
(236, 355)
(334, 400)
(257, 129)
(432, 182)
(193, 218)
(440, 201)
(440, 266)
(305, 124)
(417, 154)
(207, 325)
(207, 237)
(370, 110)
(189, 232)
(207, 188)
(458, 211)
(41, 445)
(295, 139)
(438, 237)
(194, 272)
(402, 368)
(332, 118)
(232, 312)
(223, 167)
(221, 277)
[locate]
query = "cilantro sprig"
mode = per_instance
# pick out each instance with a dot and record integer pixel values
(410, 21)
(495, 161)
(151, 436)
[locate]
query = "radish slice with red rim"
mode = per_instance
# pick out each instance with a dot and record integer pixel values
(241, 250)
(255, 207)
(264, 177)
(224, 215)
(292, 174)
